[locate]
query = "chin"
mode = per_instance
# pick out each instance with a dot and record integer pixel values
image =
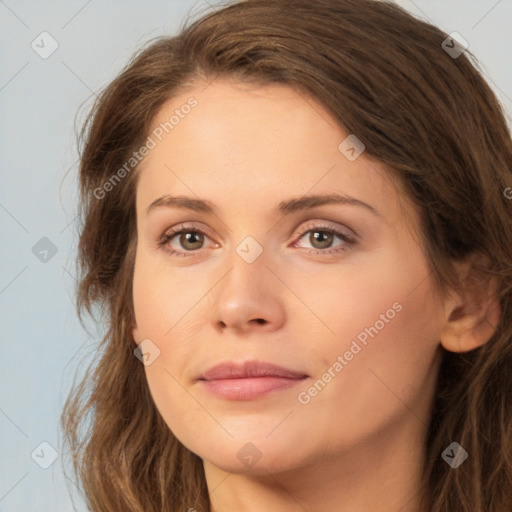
(255, 455)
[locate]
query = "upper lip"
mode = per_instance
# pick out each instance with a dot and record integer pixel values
(248, 369)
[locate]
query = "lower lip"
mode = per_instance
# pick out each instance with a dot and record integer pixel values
(249, 388)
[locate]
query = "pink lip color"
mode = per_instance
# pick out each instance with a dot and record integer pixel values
(248, 381)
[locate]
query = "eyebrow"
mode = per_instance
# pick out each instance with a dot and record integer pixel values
(283, 208)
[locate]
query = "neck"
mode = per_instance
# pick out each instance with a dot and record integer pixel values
(382, 474)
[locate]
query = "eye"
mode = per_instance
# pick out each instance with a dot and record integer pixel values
(191, 239)
(322, 237)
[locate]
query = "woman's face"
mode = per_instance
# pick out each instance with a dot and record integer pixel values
(336, 294)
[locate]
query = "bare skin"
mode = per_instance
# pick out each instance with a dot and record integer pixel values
(356, 443)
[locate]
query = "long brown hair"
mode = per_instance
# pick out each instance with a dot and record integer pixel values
(426, 115)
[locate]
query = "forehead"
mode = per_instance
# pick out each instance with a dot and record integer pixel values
(258, 143)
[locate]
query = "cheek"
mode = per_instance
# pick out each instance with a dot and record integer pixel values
(369, 292)
(391, 365)
(387, 337)
(175, 404)
(161, 302)
(161, 296)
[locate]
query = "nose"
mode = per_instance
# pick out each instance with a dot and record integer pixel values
(249, 298)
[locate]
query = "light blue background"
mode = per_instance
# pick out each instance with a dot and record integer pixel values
(42, 341)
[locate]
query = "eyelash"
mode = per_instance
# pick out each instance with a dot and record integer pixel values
(349, 242)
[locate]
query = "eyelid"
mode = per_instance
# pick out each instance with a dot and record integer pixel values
(311, 224)
(327, 225)
(186, 225)
(172, 232)
(349, 240)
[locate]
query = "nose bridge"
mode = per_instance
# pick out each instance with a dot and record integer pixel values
(248, 264)
(251, 244)
(247, 293)
(247, 235)
(253, 255)
(250, 250)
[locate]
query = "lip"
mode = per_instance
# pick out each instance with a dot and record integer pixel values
(249, 380)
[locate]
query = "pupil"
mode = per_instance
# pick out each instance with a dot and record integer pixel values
(316, 235)
(320, 234)
(189, 238)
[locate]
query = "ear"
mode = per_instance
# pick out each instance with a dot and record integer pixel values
(471, 317)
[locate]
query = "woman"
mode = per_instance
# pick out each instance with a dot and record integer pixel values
(296, 221)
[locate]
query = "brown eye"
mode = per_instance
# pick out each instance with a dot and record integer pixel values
(183, 241)
(191, 240)
(324, 239)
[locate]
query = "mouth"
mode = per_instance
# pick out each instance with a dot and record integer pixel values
(249, 381)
